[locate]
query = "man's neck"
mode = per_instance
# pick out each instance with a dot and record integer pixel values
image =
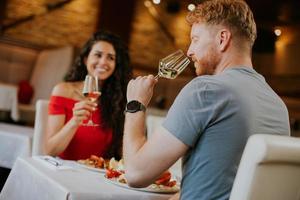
(233, 60)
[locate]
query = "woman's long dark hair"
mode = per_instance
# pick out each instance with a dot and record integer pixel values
(113, 97)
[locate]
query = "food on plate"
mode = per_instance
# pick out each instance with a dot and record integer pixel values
(116, 165)
(94, 161)
(110, 173)
(113, 164)
(101, 163)
(165, 179)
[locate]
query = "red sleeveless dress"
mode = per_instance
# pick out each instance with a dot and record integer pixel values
(88, 140)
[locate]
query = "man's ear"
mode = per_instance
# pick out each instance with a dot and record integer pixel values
(224, 37)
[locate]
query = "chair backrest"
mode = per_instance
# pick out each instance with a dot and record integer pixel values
(269, 169)
(40, 126)
(50, 68)
(153, 122)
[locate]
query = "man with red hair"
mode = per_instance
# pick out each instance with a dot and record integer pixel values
(213, 115)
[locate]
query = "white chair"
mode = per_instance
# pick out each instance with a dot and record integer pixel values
(50, 68)
(269, 169)
(153, 122)
(40, 126)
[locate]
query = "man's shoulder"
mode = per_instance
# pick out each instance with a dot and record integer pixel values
(206, 82)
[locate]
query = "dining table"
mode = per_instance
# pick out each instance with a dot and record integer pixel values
(15, 141)
(34, 178)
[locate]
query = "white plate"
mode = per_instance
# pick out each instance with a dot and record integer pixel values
(92, 168)
(151, 188)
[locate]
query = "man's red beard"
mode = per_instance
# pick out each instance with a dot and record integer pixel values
(208, 63)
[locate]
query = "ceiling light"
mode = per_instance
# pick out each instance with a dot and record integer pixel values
(156, 1)
(277, 32)
(191, 7)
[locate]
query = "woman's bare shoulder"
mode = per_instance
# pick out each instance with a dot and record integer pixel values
(68, 90)
(63, 89)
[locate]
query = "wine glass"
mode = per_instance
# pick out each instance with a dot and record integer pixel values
(91, 91)
(172, 65)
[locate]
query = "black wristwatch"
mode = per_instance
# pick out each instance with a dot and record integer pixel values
(134, 106)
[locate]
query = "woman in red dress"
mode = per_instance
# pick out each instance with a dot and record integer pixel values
(105, 56)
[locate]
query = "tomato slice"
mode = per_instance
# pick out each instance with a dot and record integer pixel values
(164, 178)
(110, 173)
(171, 183)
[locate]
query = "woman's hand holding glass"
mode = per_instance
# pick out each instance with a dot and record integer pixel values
(82, 111)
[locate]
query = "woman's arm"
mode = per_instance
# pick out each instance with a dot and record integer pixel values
(58, 134)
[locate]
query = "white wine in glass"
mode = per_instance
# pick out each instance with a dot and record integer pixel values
(92, 92)
(172, 65)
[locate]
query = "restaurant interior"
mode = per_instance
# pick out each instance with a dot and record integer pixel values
(39, 41)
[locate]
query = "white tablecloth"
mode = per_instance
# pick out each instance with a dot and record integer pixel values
(14, 141)
(31, 179)
(9, 100)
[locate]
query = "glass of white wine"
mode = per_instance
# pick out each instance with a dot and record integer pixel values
(172, 65)
(91, 91)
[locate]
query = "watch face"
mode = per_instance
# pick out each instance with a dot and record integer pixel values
(133, 105)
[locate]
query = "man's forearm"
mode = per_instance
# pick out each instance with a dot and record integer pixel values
(134, 134)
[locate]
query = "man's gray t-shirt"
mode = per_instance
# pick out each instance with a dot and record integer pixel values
(214, 116)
